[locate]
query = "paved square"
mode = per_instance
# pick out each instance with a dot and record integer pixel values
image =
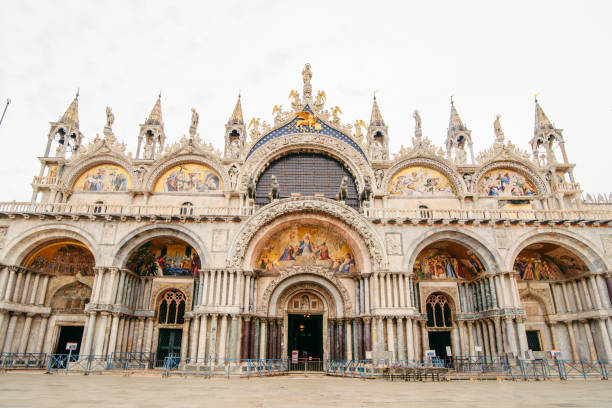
(39, 390)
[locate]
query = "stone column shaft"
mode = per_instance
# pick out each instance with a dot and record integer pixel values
(202, 337)
(195, 336)
(25, 333)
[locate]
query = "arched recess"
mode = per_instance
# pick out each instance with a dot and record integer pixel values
(18, 249)
(354, 162)
(353, 223)
(202, 158)
(528, 172)
(585, 250)
(88, 163)
(455, 179)
(327, 285)
(491, 260)
(135, 239)
(72, 297)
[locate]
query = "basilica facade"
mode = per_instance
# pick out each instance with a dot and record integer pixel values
(306, 237)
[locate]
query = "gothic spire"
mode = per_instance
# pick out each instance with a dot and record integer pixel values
(376, 118)
(541, 120)
(155, 117)
(236, 117)
(71, 116)
(455, 122)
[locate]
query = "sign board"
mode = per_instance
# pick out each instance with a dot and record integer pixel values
(368, 354)
(478, 349)
(294, 356)
(430, 353)
(530, 354)
(449, 351)
(71, 346)
(556, 353)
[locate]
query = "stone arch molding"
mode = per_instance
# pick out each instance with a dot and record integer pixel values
(318, 276)
(312, 288)
(491, 259)
(526, 171)
(580, 246)
(139, 236)
(23, 245)
(346, 154)
(435, 164)
(202, 158)
(278, 208)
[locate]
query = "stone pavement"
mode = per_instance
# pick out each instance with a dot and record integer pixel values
(40, 390)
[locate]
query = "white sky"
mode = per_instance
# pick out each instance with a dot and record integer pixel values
(493, 56)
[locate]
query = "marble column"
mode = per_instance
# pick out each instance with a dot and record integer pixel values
(367, 332)
(589, 336)
(605, 339)
(254, 339)
(572, 338)
(271, 338)
(262, 339)
(212, 338)
(185, 339)
(499, 336)
(112, 342)
(149, 336)
(367, 295)
(410, 351)
(202, 338)
(10, 284)
(101, 334)
(357, 340)
(492, 342)
(246, 331)
(470, 329)
(195, 336)
(234, 331)
(223, 338)
(522, 336)
(511, 335)
(25, 333)
(279, 337)
(391, 338)
(42, 330)
(416, 339)
(332, 340)
(553, 336)
(424, 338)
(380, 339)
(90, 329)
(401, 349)
(349, 340)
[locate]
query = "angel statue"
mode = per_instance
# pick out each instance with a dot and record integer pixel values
(335, 118)
(255, 133)
(294, 96)
(358, 135)
(320, 100)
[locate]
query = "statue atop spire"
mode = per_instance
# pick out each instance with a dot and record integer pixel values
(195, 120)
(152, 137)
(499, 133)
(458, 138)
(235, 135)
(307, 90)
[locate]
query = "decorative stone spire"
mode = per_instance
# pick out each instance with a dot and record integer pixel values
(236, 117)
(307, 90)
(235, 133)
(151, 137)
(71, 116)
(457, 138)
(541, 120)
(378, 138)
(155, 117)
(545, 138)
(376, 118)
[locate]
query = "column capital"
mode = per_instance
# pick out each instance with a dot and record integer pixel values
(366, 319)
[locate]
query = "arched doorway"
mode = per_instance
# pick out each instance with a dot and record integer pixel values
(170, 318)
(439, 324)
(305, 327)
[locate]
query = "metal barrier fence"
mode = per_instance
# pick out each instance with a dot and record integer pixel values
(306, 364)
(208, 367)
(22, 361)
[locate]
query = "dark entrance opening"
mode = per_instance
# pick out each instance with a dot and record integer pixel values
(438, 341)
(533, 340)
(169, 343)
(306, 336)
(69, 334)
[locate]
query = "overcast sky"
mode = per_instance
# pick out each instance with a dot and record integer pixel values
(491, 55)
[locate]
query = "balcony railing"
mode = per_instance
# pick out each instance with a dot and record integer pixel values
(566, 187)
(119, 210)
(488, 215)
(45, 180)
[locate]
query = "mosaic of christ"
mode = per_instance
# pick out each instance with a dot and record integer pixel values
(306, 245)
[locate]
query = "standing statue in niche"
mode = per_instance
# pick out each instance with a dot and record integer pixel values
(342, 191)
(274, 188)
(380, 174)
(251, 188)
(233, 176)
(460, 157)
(148, 147)
(235, 149)
(378, 152)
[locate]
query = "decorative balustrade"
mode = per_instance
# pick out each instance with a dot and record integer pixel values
(489, 215)
(566, 187)
(120, 210)
(44, 180)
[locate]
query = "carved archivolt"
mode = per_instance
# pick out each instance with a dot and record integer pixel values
(531, 174)
(432, 163)
(345, 153)
(314, 291)
(541, 295)
(304, 272)
(279, 208)
(203, 158)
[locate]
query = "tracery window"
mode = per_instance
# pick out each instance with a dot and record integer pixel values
(307, 174)
(171, 308)
(438, 311)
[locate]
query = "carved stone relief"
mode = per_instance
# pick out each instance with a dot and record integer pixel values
(394, 243)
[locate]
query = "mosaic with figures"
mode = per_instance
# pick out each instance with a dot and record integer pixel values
(65, 258)
(416, 181)
(441, 263)
(165, 257)
(306, 245)
(189, 178)
(504, 182)
(104, 178)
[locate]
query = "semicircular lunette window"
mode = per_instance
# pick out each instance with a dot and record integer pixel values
(307, 174)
